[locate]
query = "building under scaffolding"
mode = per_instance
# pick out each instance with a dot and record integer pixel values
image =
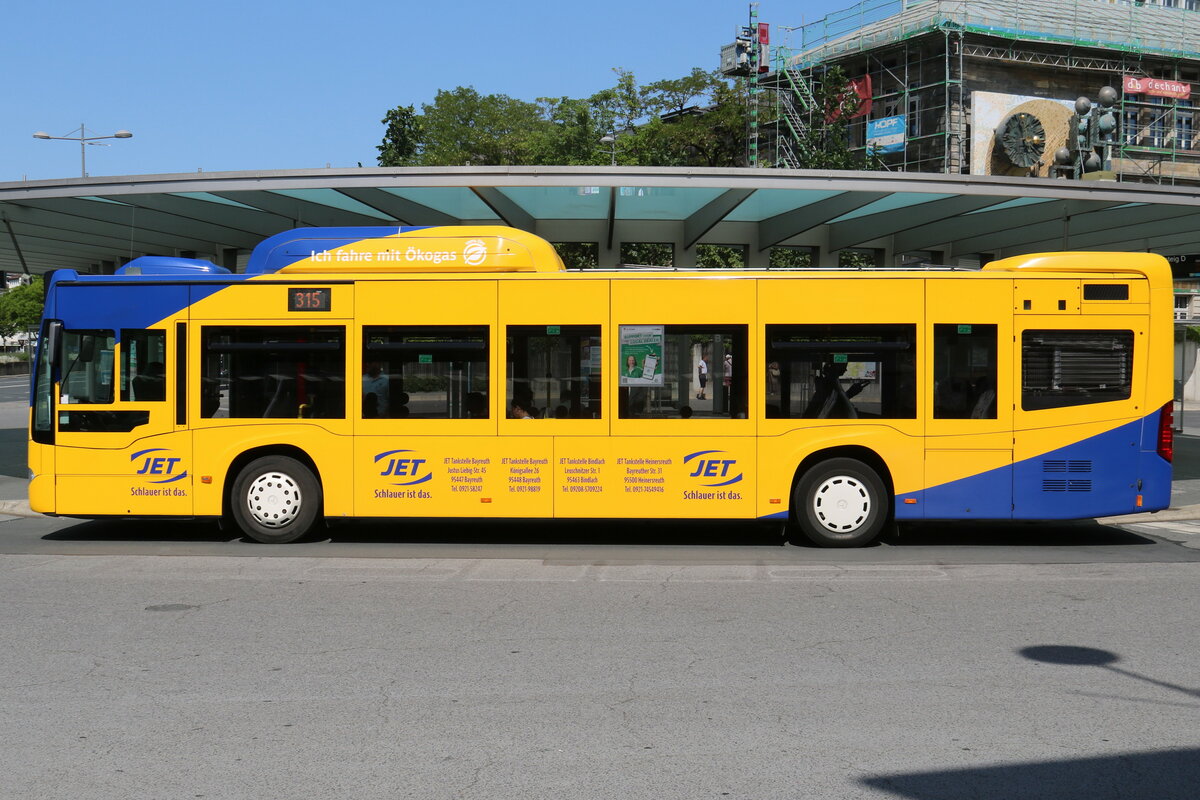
(955, 83)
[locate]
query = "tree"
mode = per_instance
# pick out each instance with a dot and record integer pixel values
(401, 146)
(21, 308)
(825, 143)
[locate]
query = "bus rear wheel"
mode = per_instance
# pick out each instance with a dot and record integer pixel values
(275, 500)
(840, 503)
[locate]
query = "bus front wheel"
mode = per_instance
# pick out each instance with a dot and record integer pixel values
(840, 503)
(275, 500)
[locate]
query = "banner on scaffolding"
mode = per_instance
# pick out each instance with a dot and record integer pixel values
(1157, 87)
(886, 134)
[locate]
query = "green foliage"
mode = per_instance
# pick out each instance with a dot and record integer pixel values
(578, 255)
(791, 257)
(653, 254)
(21, 308)
(402, 138)
(704, 125)
(720, 255)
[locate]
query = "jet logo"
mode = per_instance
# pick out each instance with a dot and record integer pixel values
(723, 470)
(166, 467)
(410, 467)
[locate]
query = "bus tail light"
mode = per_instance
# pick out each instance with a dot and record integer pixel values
(1166, 431)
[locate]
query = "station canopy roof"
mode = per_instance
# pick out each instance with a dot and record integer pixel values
(92, 224)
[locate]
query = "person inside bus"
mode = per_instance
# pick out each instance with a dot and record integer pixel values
(476, 406)
(522, 409)
(375, 382)
(830, 400)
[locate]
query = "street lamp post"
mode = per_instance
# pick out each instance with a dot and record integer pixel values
(611, 141)
(83, 140)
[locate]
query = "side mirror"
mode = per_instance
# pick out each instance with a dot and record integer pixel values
(53, 343)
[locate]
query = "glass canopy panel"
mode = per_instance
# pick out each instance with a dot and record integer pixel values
(1015, 203)
(103, 200)
(767, 203)
(212, 198)
(561, 202)
(892, 202)
(457, 201)
(333, 199)
(662, 202)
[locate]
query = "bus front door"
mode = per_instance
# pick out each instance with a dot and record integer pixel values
(121, 445)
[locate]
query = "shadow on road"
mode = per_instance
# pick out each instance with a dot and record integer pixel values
(1161, 774)
(609, 532)
(1011, 534)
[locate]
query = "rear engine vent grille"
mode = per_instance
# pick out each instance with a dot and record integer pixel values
(1106, 291)
(1060, 465)
(1072, 485)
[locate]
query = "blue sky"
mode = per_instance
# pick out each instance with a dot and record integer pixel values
(266, 84)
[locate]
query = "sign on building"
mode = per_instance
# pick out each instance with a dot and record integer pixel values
(886, 134)
(1157, 87)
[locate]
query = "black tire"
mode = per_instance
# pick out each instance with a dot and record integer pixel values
(840, 503)
(275, 500)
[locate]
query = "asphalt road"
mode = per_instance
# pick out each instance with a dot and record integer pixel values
(185, 677)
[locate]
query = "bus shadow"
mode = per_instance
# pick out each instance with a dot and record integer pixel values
(1165, 774)
(454, 532)
(1072, 533)
(667, 533)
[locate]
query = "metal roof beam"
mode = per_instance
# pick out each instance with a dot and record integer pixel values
(245, 220)
(885, 223)
(702, 221)
(123, 223)
(985, 222)
(1062, 233)
(401, 209)
(1120, 237)
(300, 213)
(792, 223)
(506, 208)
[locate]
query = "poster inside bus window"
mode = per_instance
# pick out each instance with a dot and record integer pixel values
(641, 350)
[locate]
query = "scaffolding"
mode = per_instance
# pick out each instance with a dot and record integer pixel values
(924, 59)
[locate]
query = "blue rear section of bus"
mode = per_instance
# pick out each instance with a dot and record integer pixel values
(1099, 476)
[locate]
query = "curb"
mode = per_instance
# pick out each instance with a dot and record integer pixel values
(1173, 514)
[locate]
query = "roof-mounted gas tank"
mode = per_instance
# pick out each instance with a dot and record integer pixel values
(170, 265)
(466, 249)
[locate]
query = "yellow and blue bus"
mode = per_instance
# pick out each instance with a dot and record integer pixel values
(417, 373)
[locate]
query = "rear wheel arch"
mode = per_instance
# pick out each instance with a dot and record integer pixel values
(854, 466)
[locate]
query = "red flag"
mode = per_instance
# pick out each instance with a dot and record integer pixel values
(764, 33)
(860, 88)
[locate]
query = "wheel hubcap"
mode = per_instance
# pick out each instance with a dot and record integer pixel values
(273, 499)
(842, 504)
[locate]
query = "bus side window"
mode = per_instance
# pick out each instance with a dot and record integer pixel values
(553, 371)
(682, 372)
(87, 367)
(425, 371)
(829, 371)
(143, 365)
(273, 371)
(964, 371)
